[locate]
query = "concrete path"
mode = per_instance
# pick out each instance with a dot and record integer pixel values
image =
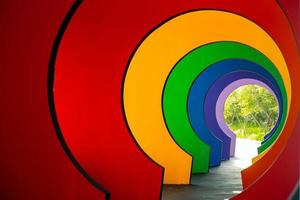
(221, 182)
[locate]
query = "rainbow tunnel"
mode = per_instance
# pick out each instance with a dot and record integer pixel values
(136, 91)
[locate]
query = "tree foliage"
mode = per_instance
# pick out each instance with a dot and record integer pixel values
(251, 112)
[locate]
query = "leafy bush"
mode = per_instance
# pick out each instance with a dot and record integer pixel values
(251, 112)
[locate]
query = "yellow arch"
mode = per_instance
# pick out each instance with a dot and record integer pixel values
(153, 61)
(257, 158)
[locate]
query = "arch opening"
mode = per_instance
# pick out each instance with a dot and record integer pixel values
(251, 111)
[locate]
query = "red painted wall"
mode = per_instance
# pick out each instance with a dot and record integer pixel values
(33, 164)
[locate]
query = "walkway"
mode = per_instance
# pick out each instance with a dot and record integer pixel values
(221, 182)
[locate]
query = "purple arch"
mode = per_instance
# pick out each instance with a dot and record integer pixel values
(212, 97)
(221, 101)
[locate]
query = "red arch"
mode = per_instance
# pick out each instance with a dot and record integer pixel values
(33, 163)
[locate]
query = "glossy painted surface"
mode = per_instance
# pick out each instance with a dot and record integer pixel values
(90, 68)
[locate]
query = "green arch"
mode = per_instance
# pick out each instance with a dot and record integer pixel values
(180, 80)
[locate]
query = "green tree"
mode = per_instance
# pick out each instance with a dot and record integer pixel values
(251, 112)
